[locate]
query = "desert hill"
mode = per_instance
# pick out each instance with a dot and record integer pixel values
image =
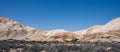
(10, 29)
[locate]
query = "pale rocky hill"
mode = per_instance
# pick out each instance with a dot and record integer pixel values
(110, 26)
(10, 29)
(108, 32)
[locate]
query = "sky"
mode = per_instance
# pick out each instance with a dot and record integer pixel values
(72, 15)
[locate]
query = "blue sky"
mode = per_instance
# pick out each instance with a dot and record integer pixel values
(71, 15)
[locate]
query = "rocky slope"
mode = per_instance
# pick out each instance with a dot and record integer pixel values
(10, 29)
(108, 32)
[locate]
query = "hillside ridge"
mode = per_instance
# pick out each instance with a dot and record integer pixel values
(10, 29)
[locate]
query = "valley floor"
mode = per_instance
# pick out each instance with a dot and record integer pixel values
(55, 46)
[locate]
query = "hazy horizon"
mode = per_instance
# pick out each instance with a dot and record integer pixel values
(72, 15)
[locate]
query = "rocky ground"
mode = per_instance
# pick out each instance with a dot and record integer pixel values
(55, 46)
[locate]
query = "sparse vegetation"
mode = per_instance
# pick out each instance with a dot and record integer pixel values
(56, 46)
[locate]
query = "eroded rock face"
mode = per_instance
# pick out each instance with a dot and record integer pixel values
(60, 35)
(113, 36)
(10, 29)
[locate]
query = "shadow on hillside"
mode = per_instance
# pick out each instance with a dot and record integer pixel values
(55, 46)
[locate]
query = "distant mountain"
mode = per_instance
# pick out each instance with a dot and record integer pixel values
(10, 29)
